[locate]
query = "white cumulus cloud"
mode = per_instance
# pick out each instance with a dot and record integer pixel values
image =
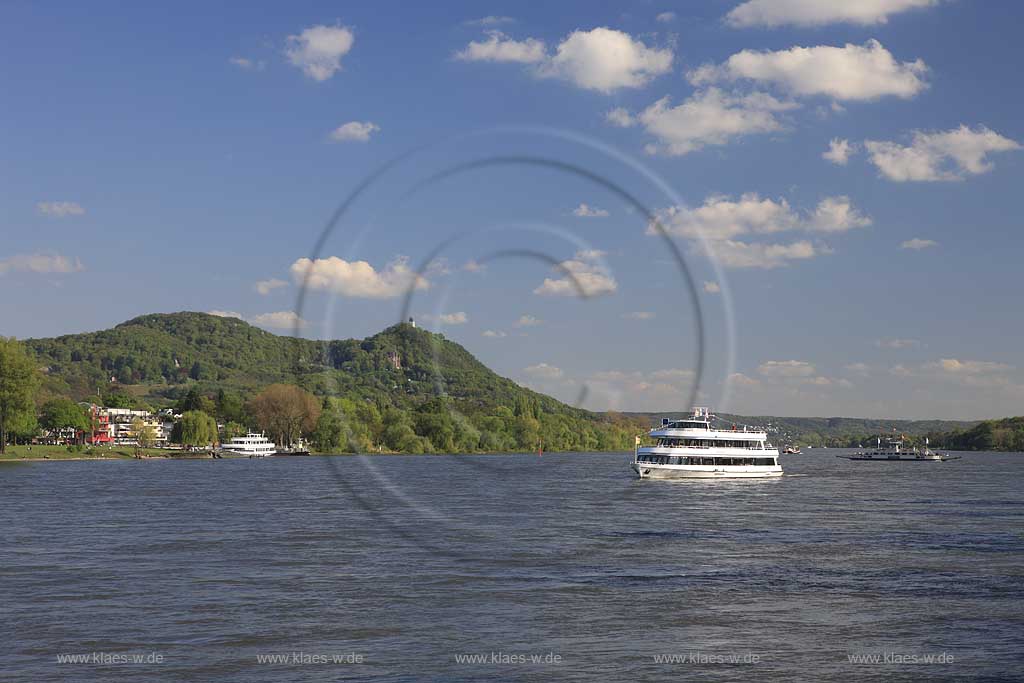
(279, 320)
(721, 218)
(586, 211)
(41, 263)
(710, 117)
(354, 131)
(897, 343)
(967, 367)
(918, 243)
(948, 155)
(712, 287)
(734, 254)
(740, 380)
(835, 214)
(639, 315)
(528, 321)
(60, 209)
(606, 60)
(543, 371)
(620, 117)
(265, 287)
(601, 59)
(498, 47)
(584, 275)
(357, 279)
(247, 64)
(318, 50)
(786, 368)
(851, 72)
(839, 151)
(666, 17)
(819, 12)
(456, 318)
(490, 20)
(497, 334)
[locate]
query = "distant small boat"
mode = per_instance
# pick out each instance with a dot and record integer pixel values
(897, 450)
(297, 448)
(790, 450)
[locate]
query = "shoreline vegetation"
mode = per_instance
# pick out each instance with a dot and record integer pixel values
(198, 380)
(37, 453)
(403, 390)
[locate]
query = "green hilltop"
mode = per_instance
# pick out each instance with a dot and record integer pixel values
(161, 359)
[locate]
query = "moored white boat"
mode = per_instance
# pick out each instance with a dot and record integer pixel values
(691, 449)
(251, 445)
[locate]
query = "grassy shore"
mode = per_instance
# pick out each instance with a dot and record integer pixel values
(16, 453)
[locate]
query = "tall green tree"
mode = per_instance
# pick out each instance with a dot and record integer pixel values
(196, 429)
(118, 400)
(63, 413)
(233, 429)
(145, 434)
(194, 400)
(19, 379)
(329, 435)
(230, 407)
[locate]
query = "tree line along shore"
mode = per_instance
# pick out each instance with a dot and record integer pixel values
(288, 414)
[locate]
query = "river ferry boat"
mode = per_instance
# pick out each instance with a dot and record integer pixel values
(691, 448)
(251, 445)
(897, 450)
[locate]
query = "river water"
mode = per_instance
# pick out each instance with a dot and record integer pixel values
(466, 568)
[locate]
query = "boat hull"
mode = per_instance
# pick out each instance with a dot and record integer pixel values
(891, 459)
(240, 454)
(649, 471)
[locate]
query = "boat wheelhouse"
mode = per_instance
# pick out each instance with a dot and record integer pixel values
(251, 445)
(691, 448)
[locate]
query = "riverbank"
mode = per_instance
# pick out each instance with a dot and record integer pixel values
(34, 453)
(46, 453)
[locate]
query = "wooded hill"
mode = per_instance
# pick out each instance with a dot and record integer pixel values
(162, 358)
(159, 357)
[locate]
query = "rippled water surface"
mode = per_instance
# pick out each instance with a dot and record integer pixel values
(413, 564)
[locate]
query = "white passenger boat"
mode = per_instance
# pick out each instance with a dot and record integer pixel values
(251, 445)
(896, 449)
(692, 449)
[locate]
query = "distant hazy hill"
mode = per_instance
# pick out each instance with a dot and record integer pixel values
(159, 356)
(991, 435)
(830, 431)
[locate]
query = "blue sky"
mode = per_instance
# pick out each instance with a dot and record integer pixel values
(853, 168)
